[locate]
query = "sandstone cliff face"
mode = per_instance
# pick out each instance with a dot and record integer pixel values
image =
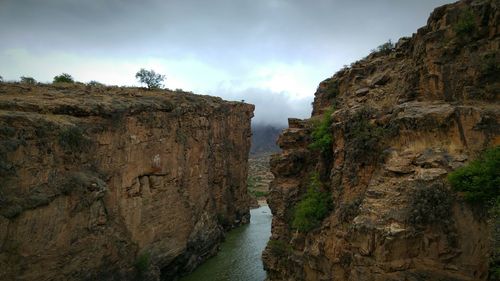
(403, 118)
(107, 183)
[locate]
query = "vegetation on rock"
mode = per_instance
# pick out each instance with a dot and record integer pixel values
(321, 134)
(94, 83)
(465, 25)
(363, 137)
(141, 265)
(480, 179)
(430, 205)
(63, 78)
(279, 248)
(313, 208)
(385, 48)
(28, 80)
(73, 139)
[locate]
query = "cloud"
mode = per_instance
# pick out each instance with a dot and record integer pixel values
(273, 108)
(270, 52)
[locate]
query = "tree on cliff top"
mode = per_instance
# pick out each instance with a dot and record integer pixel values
(63, 78)
(150, 78)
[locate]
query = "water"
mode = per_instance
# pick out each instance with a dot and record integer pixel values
(240, 256)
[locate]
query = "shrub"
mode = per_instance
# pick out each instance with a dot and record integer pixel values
(363, 138)
(313, 208)
(73, 139)
(466, 24)
(385, 48)
(28, 80)
(321, 135)
(430, 205)
(1, 79)
(480, 179)
(279, 248)
(94, 83)
(63, 78)
(152, 79)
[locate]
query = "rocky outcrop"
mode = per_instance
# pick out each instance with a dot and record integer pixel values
(109, 183)
(403, 118)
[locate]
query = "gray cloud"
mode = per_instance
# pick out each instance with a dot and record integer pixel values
(234, 40)
(272, 108)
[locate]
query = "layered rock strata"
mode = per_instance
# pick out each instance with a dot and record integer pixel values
(109, 183)
(401, 120)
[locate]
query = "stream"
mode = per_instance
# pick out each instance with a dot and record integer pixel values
(239, 258)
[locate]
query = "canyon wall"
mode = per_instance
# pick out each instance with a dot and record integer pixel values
(110, 183)
(399, 121)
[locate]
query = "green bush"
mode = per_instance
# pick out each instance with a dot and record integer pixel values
(321, 134)
(73, 139)
(279, 248)
(313, 208)
(480, 179)
(494, 273)
(28, 80)
(466, 24)
(63, 78)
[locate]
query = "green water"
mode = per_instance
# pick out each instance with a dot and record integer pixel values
(240, 256)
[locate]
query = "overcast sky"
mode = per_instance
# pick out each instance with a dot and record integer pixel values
(272, 53)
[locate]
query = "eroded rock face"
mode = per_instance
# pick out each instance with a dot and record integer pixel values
(404, 118)
(114, 184)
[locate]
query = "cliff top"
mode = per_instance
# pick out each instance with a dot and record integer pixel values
(106, 101)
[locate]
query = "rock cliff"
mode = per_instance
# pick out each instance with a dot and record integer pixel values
(397, 122)
(109, 183)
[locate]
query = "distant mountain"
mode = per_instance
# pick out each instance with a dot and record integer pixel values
(264, 139)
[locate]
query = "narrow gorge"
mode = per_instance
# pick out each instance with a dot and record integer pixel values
(116, 183)
(360, 189)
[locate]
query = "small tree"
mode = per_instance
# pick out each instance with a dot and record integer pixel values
(28, 80)
(64, 78)
(1, 79)
(150, 78)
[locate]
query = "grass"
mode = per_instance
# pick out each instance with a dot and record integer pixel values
(313, 208)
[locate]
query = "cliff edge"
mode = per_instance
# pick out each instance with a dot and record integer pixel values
(374, 156)
(110, 183)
